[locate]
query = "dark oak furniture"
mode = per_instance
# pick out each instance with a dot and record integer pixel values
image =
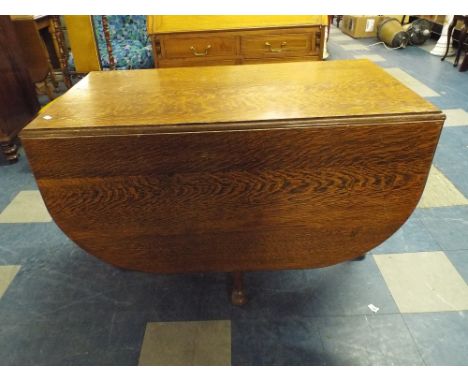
(234, 168)
(43, 44)
(18, 101)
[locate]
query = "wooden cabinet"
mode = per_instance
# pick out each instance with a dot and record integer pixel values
(18, 101)
(233, 40)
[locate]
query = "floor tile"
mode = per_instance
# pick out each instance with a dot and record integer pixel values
(451, 156)
(126, 335)
(411, 237)
(411, 82)
(442, 338)
(7, 274)
(451, 59)
(26, 207)
(456, 117)
(274, 342)
(368, 340)
(13, 179)
(423, 282)
(30, 242)
(428, 45)
(455, 137)
(372, 57)
(187, 343)
(448, 226)
(341, 37)
(458, 178)
(42, 294)
(343, 289)
(459, 259)
(440, 192)
(353, 47)
(75, 340)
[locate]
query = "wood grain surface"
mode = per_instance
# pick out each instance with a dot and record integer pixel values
(280, 166)
(235, 200)
(208, 95)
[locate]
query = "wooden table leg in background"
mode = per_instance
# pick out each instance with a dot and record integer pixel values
(449, 36)
(464, 64)
(59, 41)
(362, 257)
(10, 151)
(461, 40)
(238, 296)
(463, 36)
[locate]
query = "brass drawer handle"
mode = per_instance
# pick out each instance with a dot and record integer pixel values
(276, 50)
(199, 54)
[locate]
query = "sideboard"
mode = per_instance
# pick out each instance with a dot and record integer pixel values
(219, 40)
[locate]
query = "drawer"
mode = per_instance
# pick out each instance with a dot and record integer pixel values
(199, 47)
(173, 63)
(271, 45)
(275, 60)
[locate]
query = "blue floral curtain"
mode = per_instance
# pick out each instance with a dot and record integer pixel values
(131, 45)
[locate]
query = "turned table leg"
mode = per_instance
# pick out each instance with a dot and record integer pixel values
(360, 258)
(461, 42)
(238, 296)
(464, 64)
(449, 36)
(10, 151)
(56, 31)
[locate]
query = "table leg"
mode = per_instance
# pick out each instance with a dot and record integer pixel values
(59, 41)
(238, 296)
(10, 151)
(461, 43)
(362, 257)
(338, 20)
(464, 64)
(52, 75)
(49, 63)
(449, 35)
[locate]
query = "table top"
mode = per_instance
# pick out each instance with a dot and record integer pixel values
(197, 96)
(175, 24)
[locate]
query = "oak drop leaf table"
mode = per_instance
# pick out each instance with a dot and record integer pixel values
(234, 168)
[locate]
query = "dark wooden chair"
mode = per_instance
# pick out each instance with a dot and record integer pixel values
(461, 40)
